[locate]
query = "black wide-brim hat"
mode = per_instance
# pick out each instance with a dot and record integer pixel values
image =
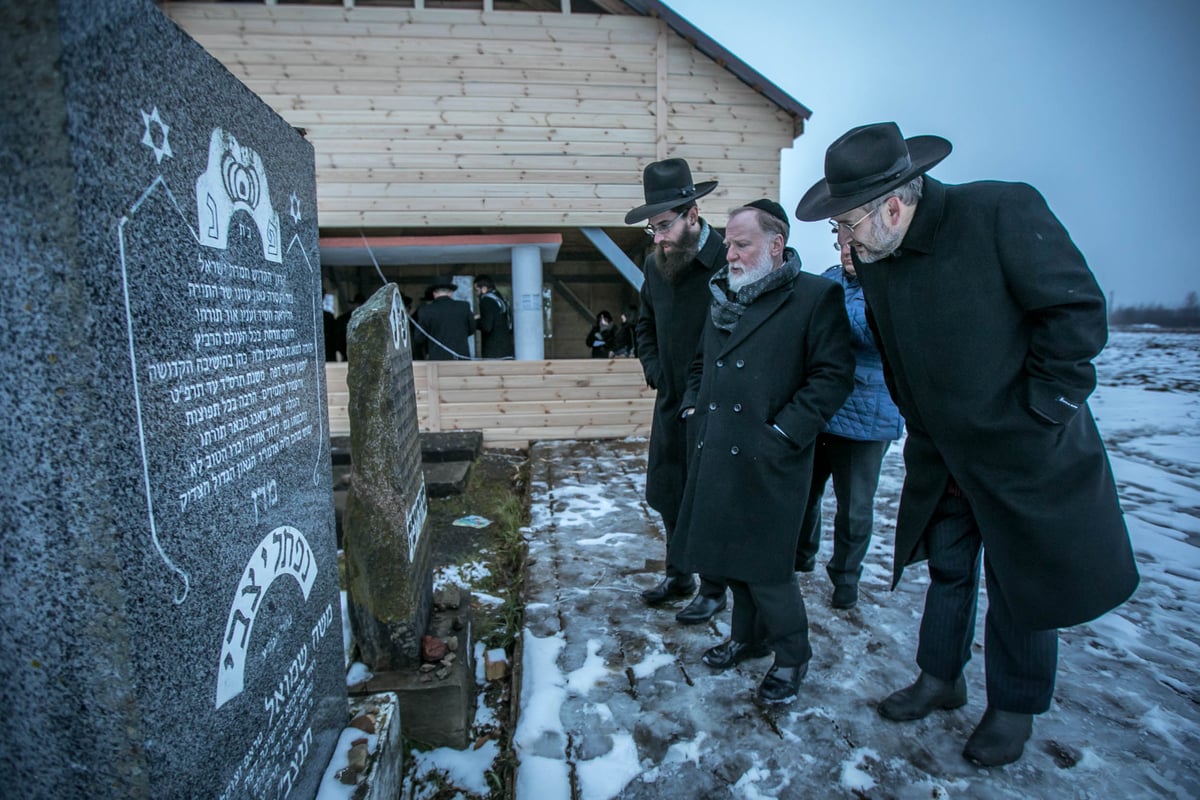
(865, 163)
(667, 184)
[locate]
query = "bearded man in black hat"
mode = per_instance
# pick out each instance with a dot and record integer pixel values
(988, 319)
(674, 306)
(494, 320)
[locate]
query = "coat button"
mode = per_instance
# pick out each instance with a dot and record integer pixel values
(720, 363)
(737, 406)
(740, 363)
(733, 450)
(699, 444)
(712, 406)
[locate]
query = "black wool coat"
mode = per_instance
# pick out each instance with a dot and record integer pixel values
(451, 323)
(786, 363)
(668, 333)
(988, 319)
(495, 326)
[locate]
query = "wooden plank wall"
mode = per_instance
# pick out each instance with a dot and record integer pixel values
(462, 118)
(516, 402)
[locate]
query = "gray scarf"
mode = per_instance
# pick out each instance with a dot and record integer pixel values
(728, 308)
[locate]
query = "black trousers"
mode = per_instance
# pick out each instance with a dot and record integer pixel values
(1020, 662)
(710, 585)
(854, 466)
(773, 613)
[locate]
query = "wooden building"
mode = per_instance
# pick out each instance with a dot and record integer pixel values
(507, 137)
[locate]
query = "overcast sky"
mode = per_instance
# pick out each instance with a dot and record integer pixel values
(1094, 102)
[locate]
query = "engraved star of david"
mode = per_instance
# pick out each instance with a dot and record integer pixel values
(160, 151)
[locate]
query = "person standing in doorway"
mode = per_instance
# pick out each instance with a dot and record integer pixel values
(624, 340)
(599, 338)
(494, 320)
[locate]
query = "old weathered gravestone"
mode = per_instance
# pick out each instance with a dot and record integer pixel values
(388, 578)
(170, 621)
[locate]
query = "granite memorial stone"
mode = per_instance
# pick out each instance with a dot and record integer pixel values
(171, 622)
(388, 577)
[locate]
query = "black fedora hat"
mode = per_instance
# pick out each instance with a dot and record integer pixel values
(865, 163)
(667, 184)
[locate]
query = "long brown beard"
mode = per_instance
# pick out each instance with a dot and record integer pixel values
(672, 265)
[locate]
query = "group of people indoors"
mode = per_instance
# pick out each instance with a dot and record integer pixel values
(443, 327)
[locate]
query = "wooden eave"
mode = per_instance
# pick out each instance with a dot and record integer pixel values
(724, 58)
(647, 8)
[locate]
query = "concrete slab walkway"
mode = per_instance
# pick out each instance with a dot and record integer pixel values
(616, 703)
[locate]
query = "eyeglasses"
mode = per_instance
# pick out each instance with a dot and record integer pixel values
(662, 227)
(836, 229)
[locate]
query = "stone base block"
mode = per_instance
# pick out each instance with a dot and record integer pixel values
(437, 701)
(446, 478)
(451, 446)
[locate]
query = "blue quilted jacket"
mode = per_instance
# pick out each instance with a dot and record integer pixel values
(869, 414)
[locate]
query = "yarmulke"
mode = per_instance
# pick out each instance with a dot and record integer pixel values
(772, 208)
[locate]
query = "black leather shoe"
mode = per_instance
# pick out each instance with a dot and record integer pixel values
(845, 596)
(728, 653)
(669, 589)
(701, 609)
(806, 564)
(927, 695)
(781, 684)
(999, 738)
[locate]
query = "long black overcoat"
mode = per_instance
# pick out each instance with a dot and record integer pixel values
(451, 323)
(788, 363)
(668, 333)
(988, 319)
(495, 323)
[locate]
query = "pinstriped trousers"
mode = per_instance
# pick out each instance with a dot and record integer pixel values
(1020, 662)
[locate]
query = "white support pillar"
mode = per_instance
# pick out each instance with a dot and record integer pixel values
(528, 324)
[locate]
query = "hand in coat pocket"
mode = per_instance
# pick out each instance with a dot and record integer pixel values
(779, 433)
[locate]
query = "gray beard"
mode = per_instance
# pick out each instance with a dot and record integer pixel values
(672, 265)
(887, 242)
(758, 270)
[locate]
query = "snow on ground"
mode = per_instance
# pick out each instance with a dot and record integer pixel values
(1125, 722)
(461, 575)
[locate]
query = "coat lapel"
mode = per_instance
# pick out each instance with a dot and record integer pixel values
(756, 314)
(712, 255)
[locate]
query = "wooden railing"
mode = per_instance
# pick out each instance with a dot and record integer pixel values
(516, 402)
